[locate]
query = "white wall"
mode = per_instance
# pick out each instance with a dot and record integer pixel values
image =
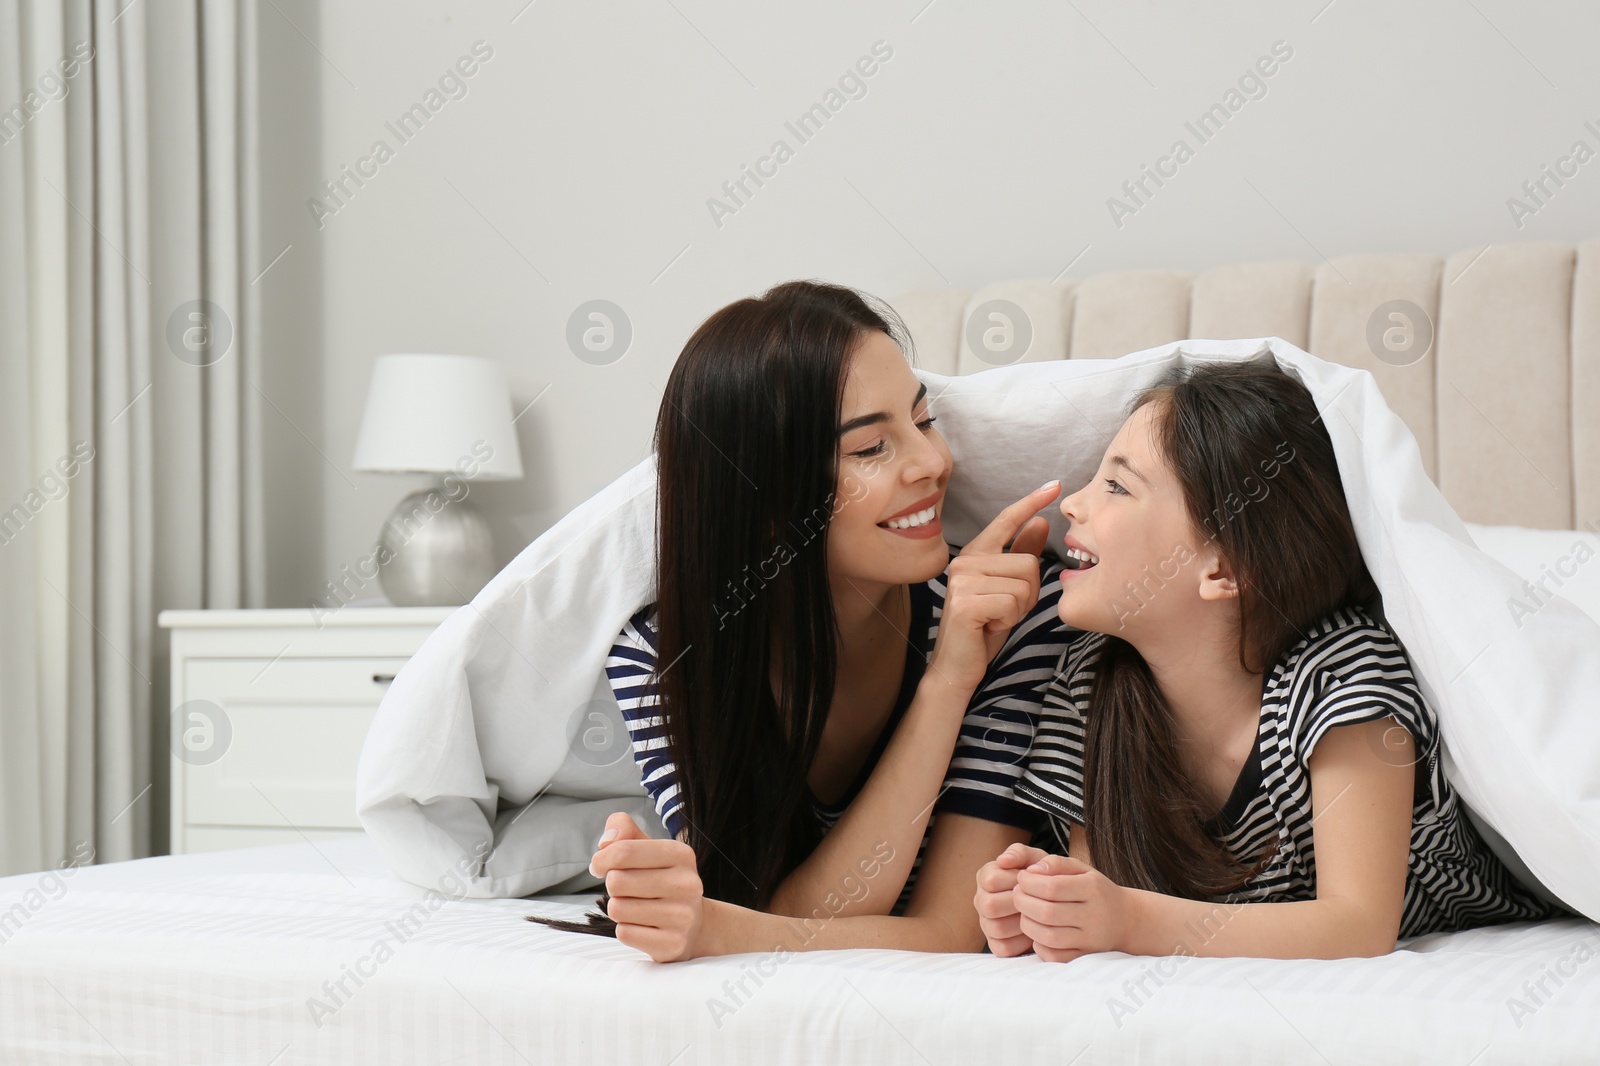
(986, 148)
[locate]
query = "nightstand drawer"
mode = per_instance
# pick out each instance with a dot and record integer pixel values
(270, 709)
(275, 743)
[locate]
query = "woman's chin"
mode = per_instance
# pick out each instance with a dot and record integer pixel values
(932, 558)
(911, 561)
(922, 560)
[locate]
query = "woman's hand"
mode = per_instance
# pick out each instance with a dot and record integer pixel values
(991, 589)
(657, 899)
(1068, 908)
(996, 905)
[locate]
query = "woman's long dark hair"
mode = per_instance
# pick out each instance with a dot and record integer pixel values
(746, 447)
(1228, 431)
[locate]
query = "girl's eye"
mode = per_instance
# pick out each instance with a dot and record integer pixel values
(1114, 487)
(927, 423)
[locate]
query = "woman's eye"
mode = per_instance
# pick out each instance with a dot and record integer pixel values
(1114, 487)
(882, 446)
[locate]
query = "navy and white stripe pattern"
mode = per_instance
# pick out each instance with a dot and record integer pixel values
(1346, 669)
(994, 735)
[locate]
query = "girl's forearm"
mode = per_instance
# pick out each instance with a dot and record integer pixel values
(730, 930)
(883, 827)
(1308, 929)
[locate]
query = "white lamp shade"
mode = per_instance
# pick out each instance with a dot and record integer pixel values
(428, 413)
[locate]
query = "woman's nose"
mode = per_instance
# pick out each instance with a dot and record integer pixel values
(926, 462)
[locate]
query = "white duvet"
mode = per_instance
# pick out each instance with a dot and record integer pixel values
(491, 753)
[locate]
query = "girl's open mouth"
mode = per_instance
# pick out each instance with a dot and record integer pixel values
(1077, 559)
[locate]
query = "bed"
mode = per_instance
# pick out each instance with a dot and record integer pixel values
(272, 956)
(316, 953)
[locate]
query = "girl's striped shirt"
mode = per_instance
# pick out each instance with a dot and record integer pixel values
(1346, 669)
(994, 734)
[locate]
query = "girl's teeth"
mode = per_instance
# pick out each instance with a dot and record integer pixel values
(1086, 558)
(921, 518)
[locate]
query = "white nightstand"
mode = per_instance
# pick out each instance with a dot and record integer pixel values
(269, 712)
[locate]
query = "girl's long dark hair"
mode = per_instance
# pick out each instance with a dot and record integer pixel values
(1261, 483)
(746, 447)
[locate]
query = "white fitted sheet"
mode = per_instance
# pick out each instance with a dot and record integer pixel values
(213, 958)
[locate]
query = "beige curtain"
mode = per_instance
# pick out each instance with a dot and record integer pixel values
(130, 475)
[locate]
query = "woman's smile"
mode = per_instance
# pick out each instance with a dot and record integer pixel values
(920, 521)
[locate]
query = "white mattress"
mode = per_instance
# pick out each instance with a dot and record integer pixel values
(216, 958)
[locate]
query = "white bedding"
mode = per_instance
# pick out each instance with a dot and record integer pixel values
(217, 958)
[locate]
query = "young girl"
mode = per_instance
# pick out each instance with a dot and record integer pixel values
(797, 693)
(1239, 760)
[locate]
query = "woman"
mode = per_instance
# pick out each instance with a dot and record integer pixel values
(1238, 760)
(816, 660)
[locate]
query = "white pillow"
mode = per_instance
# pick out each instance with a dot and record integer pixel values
(1516, 698)
(1553, 562)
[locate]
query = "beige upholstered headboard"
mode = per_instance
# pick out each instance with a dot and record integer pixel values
(1505, 401)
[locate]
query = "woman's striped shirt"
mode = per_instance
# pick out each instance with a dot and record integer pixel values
(994, 734)
(1346, 669)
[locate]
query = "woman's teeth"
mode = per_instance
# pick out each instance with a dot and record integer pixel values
(1082, 558)
(910, 521)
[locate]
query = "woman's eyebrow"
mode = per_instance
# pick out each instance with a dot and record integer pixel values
(880, 416)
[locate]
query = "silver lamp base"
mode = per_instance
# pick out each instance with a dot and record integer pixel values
(439, 553)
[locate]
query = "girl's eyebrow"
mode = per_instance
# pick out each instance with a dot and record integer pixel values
(880, 416)
(1122, 461)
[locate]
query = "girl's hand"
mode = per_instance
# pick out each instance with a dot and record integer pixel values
(998, 916)
(991, 589)
(657, 899)
(1068, 908)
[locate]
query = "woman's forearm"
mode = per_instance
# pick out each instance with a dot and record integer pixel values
(883, 827)
(730, 929)
(1306, 929)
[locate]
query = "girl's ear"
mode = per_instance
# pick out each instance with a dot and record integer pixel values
(1216, 578)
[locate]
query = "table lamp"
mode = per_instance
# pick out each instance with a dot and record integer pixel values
(449, 416)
